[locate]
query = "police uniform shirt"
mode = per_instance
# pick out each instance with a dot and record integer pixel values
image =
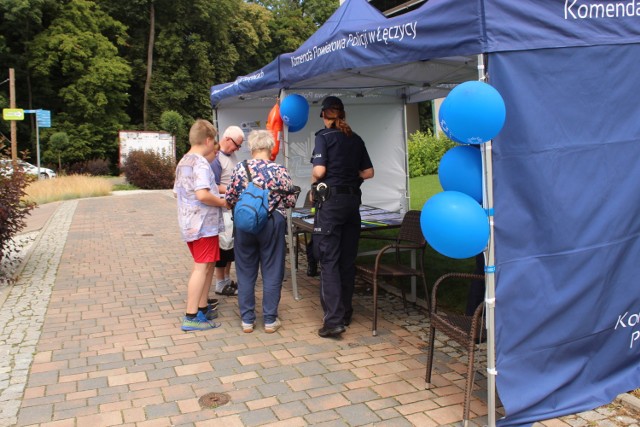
(343, 156)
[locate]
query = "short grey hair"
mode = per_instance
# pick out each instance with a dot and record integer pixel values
(261, 140)
(233, 132)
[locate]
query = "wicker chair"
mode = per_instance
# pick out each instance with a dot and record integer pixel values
(409, 237)
(468, 331)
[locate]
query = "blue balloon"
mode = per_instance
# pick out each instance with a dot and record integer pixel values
(461, 170)
(455, 225)
(474, 113)
(297, 128)
(294, 110)
(442, 113)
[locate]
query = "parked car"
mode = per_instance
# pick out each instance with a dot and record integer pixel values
(45, 173)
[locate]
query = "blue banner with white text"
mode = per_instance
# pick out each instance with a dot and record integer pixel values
(526, 25)
(567, 230)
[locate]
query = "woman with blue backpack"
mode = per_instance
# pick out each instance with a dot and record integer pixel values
(260, 192)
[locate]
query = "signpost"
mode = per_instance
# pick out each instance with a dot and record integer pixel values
(43, 120)
(13, 114)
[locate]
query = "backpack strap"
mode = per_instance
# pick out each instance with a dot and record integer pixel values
(250, 179)
(246, 168)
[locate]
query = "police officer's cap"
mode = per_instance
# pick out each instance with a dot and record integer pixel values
(331, 102)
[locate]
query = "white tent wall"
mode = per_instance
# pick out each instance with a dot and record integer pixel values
(379, 120)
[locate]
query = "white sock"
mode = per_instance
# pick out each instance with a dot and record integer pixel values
(220, 284)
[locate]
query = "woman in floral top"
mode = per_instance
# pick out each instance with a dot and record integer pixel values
(266, 250)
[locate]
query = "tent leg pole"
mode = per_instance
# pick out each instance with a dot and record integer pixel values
(490, 296)
(292, 255)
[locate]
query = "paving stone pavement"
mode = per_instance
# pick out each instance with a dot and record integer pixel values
(90, 335)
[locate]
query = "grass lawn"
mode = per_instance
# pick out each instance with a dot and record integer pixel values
(421, 189)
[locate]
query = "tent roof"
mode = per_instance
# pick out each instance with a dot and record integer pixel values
(416, 81)
(360, 49)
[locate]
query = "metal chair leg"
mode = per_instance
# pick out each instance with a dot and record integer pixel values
(404, 298)
(427, 300)
(470, 378)
(374, 329)
(432, 339)
(296, 249)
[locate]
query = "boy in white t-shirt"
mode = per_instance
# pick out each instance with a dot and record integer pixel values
(200, 221)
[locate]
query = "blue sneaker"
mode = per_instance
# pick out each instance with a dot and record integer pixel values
(212, 313)
(203, 317)
(198, 323)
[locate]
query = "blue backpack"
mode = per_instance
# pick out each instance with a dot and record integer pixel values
(251, 212)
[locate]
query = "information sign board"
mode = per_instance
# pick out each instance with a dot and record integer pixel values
(161, 143)
(44, 118)
(12, 114)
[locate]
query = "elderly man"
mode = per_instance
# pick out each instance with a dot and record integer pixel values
(222, 167)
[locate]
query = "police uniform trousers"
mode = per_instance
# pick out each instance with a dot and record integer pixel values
(265, 250)
(335, 243)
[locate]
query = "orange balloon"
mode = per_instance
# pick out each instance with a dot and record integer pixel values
(274, 124)
(276, 147)
(274, 121)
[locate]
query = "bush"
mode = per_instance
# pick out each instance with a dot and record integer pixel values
(149, 170)
(425, 152)
(13, 209)
(96, 167)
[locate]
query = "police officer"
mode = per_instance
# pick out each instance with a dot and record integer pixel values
(340, 165)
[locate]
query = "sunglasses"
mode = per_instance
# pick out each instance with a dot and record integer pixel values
(238, 146)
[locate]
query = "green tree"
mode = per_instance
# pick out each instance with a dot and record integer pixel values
(320, 10)
(139, 18)
(252, 40)
(172, 122)
(196, 44)
(20, 22)
(191, 54)
(76, 57)
(103, 66)
(290, 25)
(63, 151)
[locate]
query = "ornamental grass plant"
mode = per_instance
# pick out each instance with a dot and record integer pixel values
(67, 188)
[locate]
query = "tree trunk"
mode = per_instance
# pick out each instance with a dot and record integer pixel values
(147, 84)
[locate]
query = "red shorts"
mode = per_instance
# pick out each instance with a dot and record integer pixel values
(205, 249)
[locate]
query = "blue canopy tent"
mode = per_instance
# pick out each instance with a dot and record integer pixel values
(565, 168)
(563, 173)
(315, 70)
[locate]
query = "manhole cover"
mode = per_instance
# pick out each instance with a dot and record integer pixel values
(213, 400)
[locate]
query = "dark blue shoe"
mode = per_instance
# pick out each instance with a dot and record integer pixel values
(326, 332)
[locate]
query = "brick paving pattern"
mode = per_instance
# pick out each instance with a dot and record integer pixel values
(91, 336)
